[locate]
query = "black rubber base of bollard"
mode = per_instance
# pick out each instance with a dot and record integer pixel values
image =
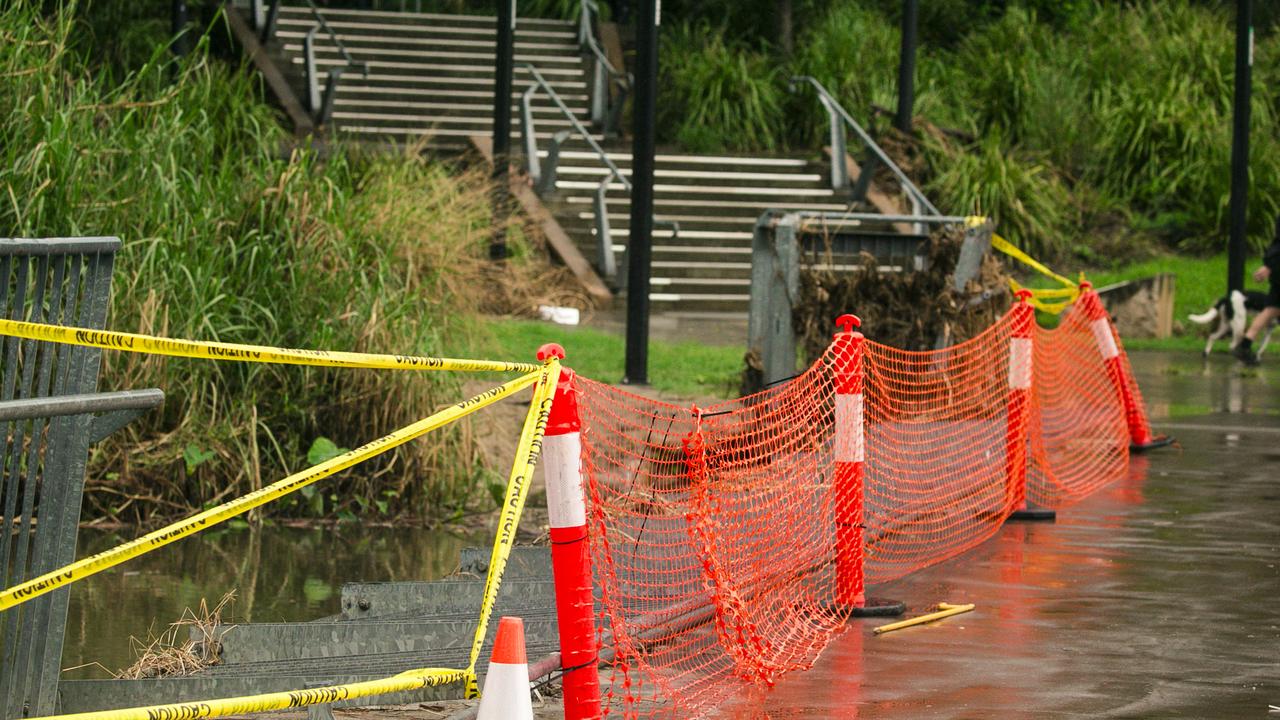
(1158, 441)
(1033, 515)
(879, 607)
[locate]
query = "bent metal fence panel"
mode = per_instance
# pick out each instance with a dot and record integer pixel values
(720, 534)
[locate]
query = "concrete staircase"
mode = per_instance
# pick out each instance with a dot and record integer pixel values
(431, 75)
(430, 79)
(716, 200)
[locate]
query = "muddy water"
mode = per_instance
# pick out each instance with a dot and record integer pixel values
(277, 574)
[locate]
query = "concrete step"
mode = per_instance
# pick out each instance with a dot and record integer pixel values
(667, 205)
(444, 68)
(384, 104)
(264, 642)
(622, 158)
(393, 600)
(354, 88)
(456, 136)
(685, 175)
(378, 56)
(480, 123)
(535, 48)
(389, 21)
(768, 196)
(443, 83)
(525, 562)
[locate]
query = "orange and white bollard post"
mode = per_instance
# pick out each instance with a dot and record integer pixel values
(1021, 363)
(570, 551)
(1140, 436)
(850, 456)
(506, 684)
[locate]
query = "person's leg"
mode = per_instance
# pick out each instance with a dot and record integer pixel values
(1260, 322)
(1244, 351)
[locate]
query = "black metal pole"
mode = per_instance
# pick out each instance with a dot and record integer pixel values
(178, 25)
(1240, 146)
(639, 248)
(504, 59)
(907, 66)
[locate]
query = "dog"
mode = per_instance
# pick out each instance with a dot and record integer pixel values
(1232, 313)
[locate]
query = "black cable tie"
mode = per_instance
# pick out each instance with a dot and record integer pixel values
(566, 670)
(569, 542)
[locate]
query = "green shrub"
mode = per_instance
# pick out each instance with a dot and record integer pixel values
(225, 240)
(718, 95)
(1030, 204)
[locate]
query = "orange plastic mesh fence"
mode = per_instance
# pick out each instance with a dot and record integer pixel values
(1080, 440)
(714, 530)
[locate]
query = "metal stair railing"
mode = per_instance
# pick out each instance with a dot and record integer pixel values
(543, 173)
(606, 109)
(839, 118)
(319, 103)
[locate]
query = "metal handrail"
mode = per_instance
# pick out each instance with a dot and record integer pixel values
(543, 174)
(320, 103)
(839, 174)
(604, 109)
(527, 125)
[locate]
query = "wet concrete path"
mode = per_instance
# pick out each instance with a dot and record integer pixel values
(1157, 597)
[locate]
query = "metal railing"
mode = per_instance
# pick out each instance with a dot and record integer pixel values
(606, 108)
(319, 102)
(543, 172)
(839, 118)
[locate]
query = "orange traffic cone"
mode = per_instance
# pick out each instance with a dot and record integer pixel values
(506, 685)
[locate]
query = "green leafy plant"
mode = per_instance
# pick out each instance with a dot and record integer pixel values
(322, 448)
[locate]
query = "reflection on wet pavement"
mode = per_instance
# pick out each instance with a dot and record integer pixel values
(1157, 597)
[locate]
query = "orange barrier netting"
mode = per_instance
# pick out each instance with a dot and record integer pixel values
(717, 532)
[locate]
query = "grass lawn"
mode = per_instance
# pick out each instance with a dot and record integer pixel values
(695, 370)
(1200, 282)
(684, 369)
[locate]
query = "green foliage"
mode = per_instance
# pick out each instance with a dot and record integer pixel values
(322, 449)
(1103, 111)
(718, 95)
(193, 457)
(225, 240)
(850, 52)
(1029, 202)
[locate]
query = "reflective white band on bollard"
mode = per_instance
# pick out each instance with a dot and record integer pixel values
(562, 463)
(850, 445)
(1106, 341)
(1020, 363)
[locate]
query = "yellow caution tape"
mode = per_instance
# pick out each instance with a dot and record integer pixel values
(129, 342)
(411, 680)
(1009, 249)
(945, 610)
(1040, 297)
(93, 564)
(527, 452)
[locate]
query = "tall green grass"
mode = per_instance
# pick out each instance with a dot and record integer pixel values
(226, 240)
(1084, 112)
(719, 95)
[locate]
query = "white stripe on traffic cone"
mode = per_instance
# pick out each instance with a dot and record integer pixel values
(506, 685)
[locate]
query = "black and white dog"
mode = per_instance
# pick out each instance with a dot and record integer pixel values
(1232, 314)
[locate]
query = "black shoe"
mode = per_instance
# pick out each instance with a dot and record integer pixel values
(1246, 355)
